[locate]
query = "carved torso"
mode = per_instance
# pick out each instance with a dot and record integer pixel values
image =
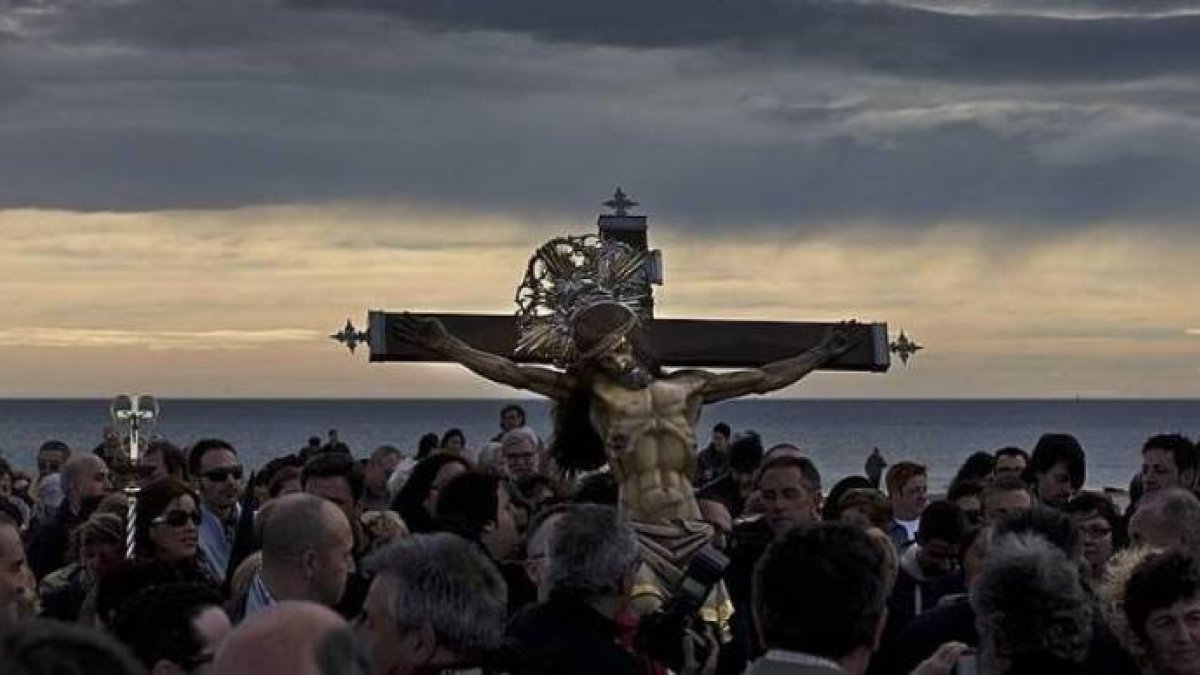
(649, 435)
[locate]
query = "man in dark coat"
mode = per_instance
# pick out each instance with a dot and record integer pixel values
(591, 559)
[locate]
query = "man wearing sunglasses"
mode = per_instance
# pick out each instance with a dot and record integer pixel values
(218, 477)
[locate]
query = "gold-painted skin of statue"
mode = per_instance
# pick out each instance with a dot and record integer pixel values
(647, 425)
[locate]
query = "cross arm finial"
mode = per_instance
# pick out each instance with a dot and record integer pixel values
(905, 347)
(350, 336)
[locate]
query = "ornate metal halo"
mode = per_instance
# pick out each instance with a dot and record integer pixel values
(567, 275)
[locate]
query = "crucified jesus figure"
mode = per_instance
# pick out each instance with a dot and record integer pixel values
(615, 406)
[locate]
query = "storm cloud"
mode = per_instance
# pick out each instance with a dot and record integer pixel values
(882, 36)
(798, 115)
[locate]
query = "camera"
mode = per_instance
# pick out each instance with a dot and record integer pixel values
(704, 571)
(661, 634)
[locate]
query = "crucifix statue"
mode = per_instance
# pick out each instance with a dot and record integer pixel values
(614, 405)
(585, 306)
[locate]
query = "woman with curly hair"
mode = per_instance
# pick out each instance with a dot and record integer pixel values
(1162, 609)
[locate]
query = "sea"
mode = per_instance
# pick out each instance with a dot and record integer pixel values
(836, 434)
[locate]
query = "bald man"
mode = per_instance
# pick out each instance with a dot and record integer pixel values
(292, 638)
(307, 554)
(85, 481)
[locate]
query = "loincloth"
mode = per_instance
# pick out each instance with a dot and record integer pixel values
(666, 549)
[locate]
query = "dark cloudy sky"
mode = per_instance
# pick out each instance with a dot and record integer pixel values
(192, 192)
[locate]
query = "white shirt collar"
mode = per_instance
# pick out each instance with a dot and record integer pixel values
(802, 659)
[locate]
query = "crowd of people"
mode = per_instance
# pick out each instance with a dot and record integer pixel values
(453, 559)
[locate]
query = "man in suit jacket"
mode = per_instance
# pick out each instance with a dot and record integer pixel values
(820, 601)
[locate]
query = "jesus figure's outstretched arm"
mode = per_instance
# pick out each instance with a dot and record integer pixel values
(431, 334)
(779, 374)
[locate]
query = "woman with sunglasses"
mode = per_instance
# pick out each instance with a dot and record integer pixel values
(168, 520)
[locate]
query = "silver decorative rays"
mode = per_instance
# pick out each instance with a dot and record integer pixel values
(567, 275)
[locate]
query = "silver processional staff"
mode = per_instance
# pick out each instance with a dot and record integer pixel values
(134, 414)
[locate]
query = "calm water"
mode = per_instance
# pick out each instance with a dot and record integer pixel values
(837, 434)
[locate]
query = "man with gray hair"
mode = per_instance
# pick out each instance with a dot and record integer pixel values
(519, 453)
(1032, 612)
(592, 558)
(1167, 518)
(437, 603)
(377, 469)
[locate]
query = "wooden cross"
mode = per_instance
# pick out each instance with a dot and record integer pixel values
(676, 342)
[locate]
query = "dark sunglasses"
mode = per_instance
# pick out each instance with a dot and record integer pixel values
(221, 475)
(177, 518)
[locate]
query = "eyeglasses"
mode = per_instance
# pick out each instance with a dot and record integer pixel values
(177, 518)
(222, 474)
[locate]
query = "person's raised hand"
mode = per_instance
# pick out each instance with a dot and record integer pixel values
(422, 331)
(943, 660)
(839, 339)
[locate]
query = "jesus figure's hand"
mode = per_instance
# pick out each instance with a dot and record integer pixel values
(422, 330)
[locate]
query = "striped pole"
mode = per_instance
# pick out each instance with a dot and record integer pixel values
(132, 411)
(131, 521)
